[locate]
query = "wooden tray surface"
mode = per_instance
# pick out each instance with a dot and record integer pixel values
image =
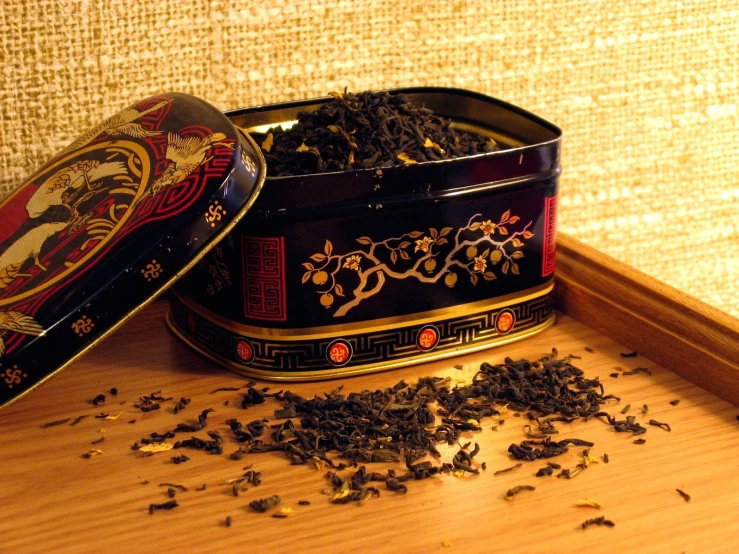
(56, 501)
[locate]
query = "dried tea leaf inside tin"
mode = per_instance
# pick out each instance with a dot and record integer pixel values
(362, 131)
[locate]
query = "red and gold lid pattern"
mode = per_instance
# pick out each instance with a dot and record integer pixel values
(109, 222)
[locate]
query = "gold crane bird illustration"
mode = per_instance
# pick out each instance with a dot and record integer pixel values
(16, 322)
(122, 123)
(27, 247)
(71, 186)
(185, 155)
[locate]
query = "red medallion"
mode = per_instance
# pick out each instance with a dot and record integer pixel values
(244, 350)
(339, 352)
(427, 338)
(505, 321)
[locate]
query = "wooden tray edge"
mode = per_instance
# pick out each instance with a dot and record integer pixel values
(698, 342)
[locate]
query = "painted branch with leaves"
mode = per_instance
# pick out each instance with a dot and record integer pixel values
(476, 250)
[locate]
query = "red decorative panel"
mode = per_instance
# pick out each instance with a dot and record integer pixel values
(550, 236)
(264, 278)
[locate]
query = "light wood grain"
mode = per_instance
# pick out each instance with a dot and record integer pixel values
(668, 326)
(55, 501)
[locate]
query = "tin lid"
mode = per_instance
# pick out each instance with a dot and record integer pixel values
(111, 222)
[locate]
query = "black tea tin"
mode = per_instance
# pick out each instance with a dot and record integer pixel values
(356, 271)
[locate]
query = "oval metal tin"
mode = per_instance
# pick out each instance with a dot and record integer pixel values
(111, 222)
(349, 272)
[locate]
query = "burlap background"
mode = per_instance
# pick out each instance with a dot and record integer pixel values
(646, 91)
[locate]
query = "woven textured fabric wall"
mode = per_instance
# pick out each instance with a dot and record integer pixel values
(646, 92)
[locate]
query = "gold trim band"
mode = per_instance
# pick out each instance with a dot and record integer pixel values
(383, 324)
(351, 371)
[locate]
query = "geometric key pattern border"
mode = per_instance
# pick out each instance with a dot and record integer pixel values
(376, 347)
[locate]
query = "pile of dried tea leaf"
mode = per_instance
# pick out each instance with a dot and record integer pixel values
(362, 131)
(403, 424)
(398, 425)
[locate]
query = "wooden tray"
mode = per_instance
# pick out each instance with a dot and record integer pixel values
(56, 501)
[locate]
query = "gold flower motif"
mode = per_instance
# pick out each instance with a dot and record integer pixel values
(424, 244)
(352, 262)
(487, 227)
(480, 264)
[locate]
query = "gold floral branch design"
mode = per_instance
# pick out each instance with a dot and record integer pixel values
(477, 248)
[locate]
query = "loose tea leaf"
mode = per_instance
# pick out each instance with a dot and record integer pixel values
(194, 427)
(598, 521)
(181, 404)
(585, 503)
(571, 473)
(588, 459)
(283, 513)
(684, 494)
(77, 420)
(506, 470)
(211, 447)
(156, 447)
(547, 448)
(638, 370)
(251, 477)
(224, 389)
(264, 504)
(629, 424)
(151, 402)
(174, 486)
(656, 423)
(55, 423)
(92, 452)
(165, 506)
(252, 397)
(515, 490)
